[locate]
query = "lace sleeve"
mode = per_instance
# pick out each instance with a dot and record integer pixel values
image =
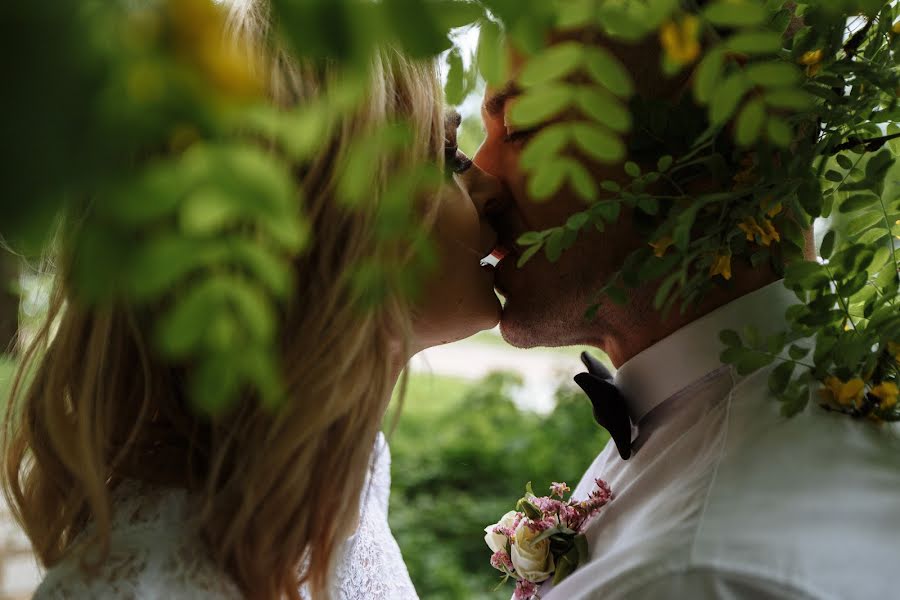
(372, 567)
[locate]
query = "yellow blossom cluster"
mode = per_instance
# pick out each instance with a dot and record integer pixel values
(845, 393)
(763, 232)
(850, 394)
(887, 392)
(680, 40)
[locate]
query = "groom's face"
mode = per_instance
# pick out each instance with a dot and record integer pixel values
(546, 302)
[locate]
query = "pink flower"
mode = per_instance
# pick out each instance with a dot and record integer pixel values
(559, 489)
(541, 525)
(524, 590)
(501, 561)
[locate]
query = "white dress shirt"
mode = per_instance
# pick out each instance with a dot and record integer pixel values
(724, 497)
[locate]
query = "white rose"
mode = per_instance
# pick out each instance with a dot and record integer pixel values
(498, 541)
(532, 561)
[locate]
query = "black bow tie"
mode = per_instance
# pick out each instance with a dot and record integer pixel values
(610, 406)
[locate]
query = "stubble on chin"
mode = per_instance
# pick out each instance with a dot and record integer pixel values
(531, 322)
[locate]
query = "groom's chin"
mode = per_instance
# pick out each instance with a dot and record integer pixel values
(527, 326)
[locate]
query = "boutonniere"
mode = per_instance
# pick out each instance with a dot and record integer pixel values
(543, 537)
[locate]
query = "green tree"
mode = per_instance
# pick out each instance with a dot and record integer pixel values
(459, 469)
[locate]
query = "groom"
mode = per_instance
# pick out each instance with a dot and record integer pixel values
(716, 494)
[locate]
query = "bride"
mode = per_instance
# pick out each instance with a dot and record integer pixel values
(125, 492)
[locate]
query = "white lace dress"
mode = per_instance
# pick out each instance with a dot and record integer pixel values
(156, 553)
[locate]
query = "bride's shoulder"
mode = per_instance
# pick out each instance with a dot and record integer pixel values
(154, 552)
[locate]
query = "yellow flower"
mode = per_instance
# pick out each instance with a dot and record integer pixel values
(771, 209)
(848, 393)
(750, 228)
(661, 245)
(812, 59)
(896, 28)
(770, 234)
(679, 39)
(887, 392)
(721, 266)
(765, 232)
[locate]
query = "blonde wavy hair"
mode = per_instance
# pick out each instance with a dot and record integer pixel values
(92, 405)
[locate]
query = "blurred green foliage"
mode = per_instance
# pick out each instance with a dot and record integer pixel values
(133, 113)
(461, 457)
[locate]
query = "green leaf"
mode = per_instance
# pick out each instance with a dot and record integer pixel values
(552, 64)
(844, 162)
(616, 294)
(755, 42)
(547, 179)
(527, 254)
(772, 74)
(708, 74)
(632, 169)
(455, 86)
(730, 337)
(607, 70)
(577, 221)
(728, 13)
(540, 104)
(554, 245)
(798, 352)
(607, 211)
(544, 146)
(779, 132)
(662, 292)
(780, 377)
(664, 163)
(827, 246)
(726, 98)
(752, 361)
(610, 185)
(749, 122)
(598, 142)
(862, 223)
(788, 98)
(878, 165)
(531, 237)
(795, 402)
(491, 56)
(806, 275)
(580, 179)
(604, 108)
(857, 202)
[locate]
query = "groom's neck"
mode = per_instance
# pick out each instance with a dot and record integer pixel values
(631, 328)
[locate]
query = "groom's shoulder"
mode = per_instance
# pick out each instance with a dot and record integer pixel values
(796, 498)
(771, 507)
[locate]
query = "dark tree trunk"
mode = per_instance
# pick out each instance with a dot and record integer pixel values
(9, 301)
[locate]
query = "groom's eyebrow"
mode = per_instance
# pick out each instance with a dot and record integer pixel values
(495, 102)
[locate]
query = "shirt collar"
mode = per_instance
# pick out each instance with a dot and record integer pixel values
(690, 353)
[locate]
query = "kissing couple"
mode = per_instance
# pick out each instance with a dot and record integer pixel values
(126, 491)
